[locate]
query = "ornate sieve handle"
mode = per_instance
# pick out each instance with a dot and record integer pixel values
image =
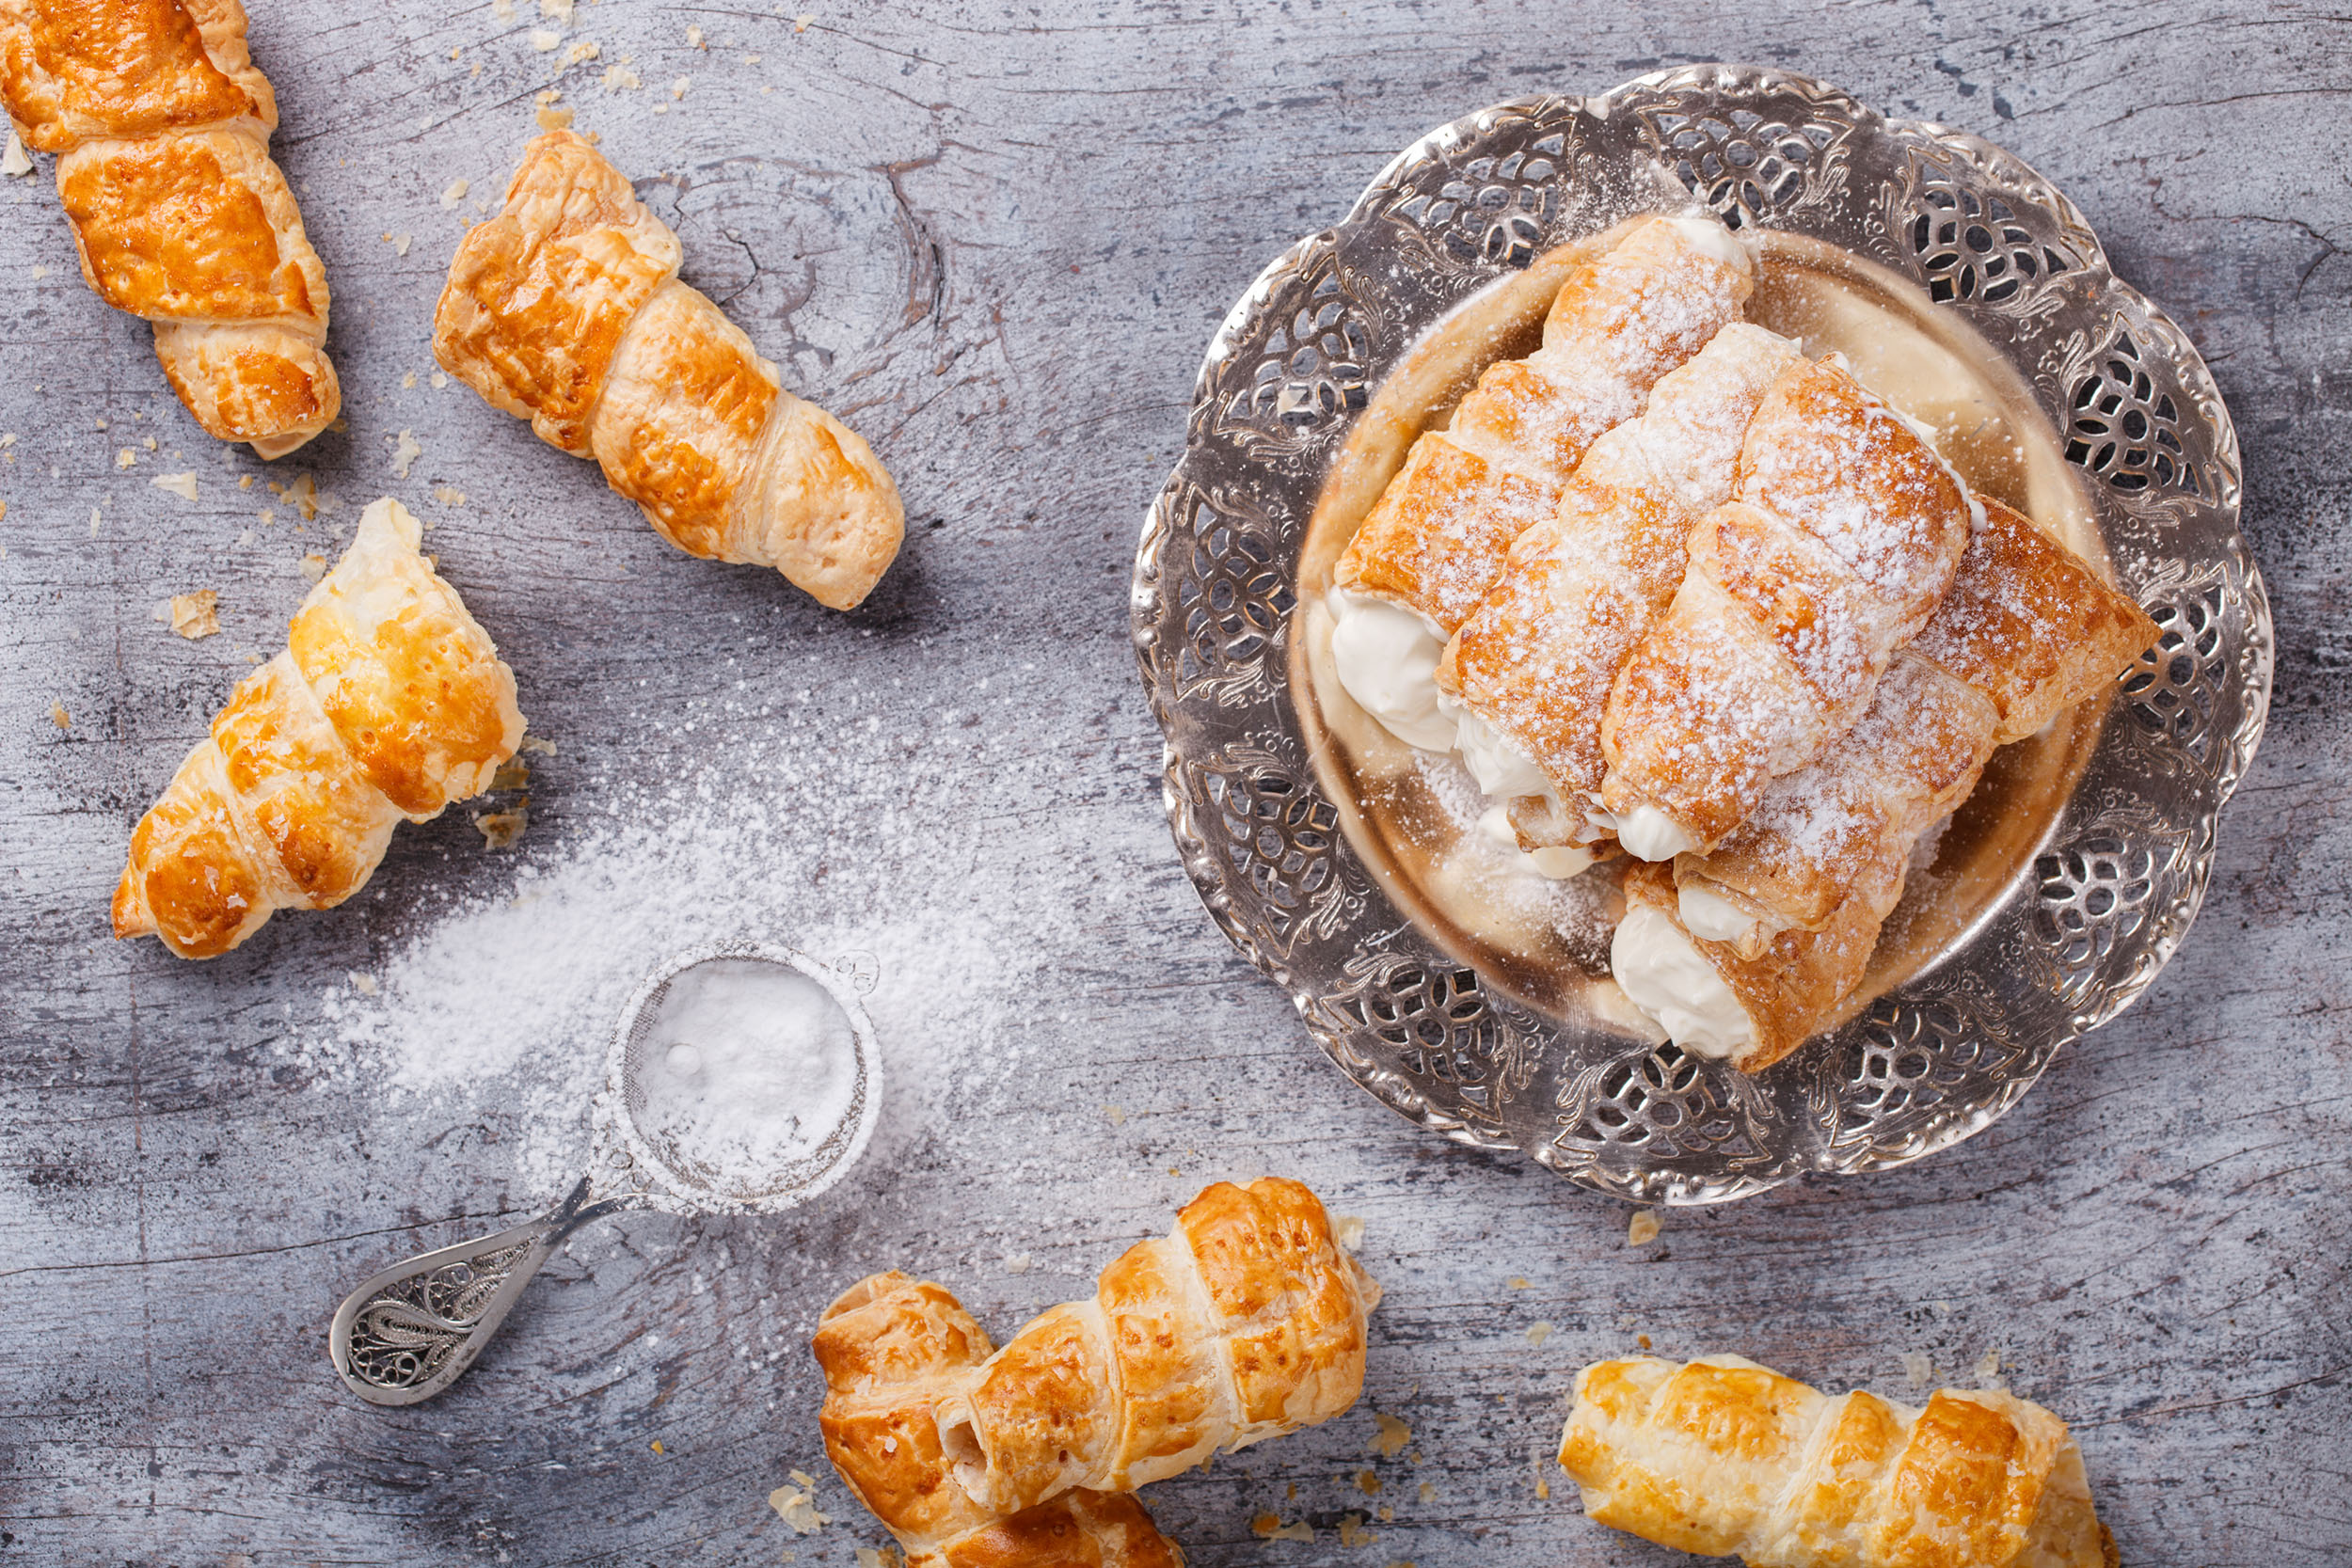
(411, 1331)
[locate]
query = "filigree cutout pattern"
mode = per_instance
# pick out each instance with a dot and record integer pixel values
(408, 1332)
(1908, 1062)
(1750, 156)
(2092, 893)
(1972, 248)
(1493, 210)
(2124, 427)
(1236, 599)
(1435, 1022)
(2176, 690)
(1666, 1103)
(1279, 838)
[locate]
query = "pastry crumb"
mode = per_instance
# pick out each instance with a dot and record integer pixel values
(192, 615)
(93, 522)
(560, 10)
(408, 381)
(1519, 1282)
(797, 1509)
(406, 454)
(314, 567)
(544, 40)
(1392, 1435)
(801, 1478)
(1643, 1340)
(440, 381)
(246, 484)
(694, 38)
(677, 89)
(1348, 1230)
(503, 10)
(58, 715)
(554, 120)
(1429, 1492)
(511, 774)
(125, 458)
(1269, 1526)
(876, 1557)
(1917, 1370)
(1018, 1263)
(500, 829)
(538, 743)
(182, 485)
(14, 161)
(364, 984)
(582, 49)
(618, 78)
(455, 194)
(1118, 1115)
(1539, 1332)
(1368, 1482)
(800, 23)
(1989, 1369)
(449, 495)
(1642, 1229)
(304, 493)
(1352, 1532)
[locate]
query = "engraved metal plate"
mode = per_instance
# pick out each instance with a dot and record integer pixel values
(2095, 909)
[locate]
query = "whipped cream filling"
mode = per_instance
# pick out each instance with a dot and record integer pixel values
(1649, 834)
(1502, 770)
(1661, 971)
(1709, 235)
(1387, 655)
(1557, 862)
(1712, 916)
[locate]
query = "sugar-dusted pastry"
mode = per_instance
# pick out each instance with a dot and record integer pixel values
(1847, 529)
(1434, 542)
(2027, 629)
(388, 702)
(1248, 1322)
(161, 123)
(1527, 676)
(1746, 952)
(1720, 1456)
(565, 309)
(889, 1346)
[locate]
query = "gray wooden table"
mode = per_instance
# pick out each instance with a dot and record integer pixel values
(997, 238)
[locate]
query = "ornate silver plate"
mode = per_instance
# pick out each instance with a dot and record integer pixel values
(2096, 903)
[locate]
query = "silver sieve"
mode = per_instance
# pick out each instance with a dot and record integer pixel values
(411, 1331)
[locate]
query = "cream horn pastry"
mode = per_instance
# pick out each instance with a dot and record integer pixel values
(161, 123)
(1527, 677)
(388, 702)
(889, 1346)
(1846, 530)
(1247, 1323)
(566, 309)
(1719, 1456)
(1744, 953)
(1434, 543)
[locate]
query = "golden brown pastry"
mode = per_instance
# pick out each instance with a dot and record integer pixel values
(1434, 542)
(1531, 668)
(388, 702)
(1720, 1455)
(1846, 532)
(2027, 629)
(1245, 1324)
(889, 1347)
(565, 309)
(1747, 952)
(161, 123)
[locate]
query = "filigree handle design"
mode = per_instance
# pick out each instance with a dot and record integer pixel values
(413, 1330)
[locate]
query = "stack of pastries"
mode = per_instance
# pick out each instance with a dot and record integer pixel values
(1247, 1323)
(1682, 598)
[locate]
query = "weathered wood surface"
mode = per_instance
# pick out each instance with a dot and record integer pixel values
(997, 238)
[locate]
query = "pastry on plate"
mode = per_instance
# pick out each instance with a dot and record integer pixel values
(1744, 952)
(161, 123)
(889, 1346)
(388, 702)
(566, 309)
(1247, 1323)
(1720, 1456)
(1435, 541)
(1527, 677)
(1846, 530)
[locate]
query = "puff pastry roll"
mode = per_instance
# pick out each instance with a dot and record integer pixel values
(1527, 676)
(1847, 529)
(388, 702)
(161, 123)
(1245, 1324)
(565, 309)
(1720, 1456)
(1746, 952)
(889, 1346)
(1434, 542)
